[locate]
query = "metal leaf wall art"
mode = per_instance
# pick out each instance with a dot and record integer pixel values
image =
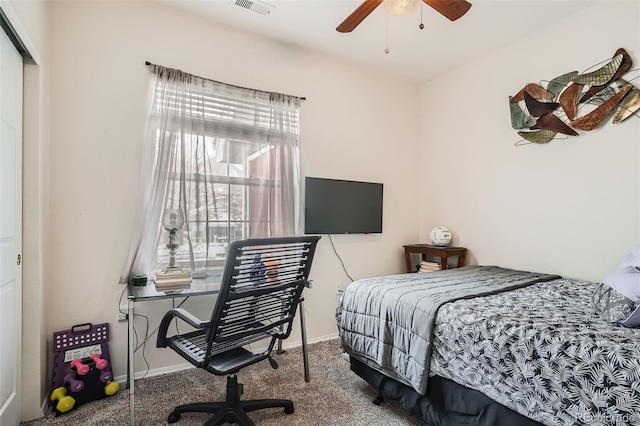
(575, 101)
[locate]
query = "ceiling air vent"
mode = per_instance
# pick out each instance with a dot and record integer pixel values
(257, 6)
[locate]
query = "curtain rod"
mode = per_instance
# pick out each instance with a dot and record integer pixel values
(147, 63)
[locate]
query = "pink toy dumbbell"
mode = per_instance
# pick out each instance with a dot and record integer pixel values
(81, 368)
(101, 364)
(106, 376)
(75, 385)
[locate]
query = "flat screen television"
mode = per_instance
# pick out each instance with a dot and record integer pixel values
(342, 207)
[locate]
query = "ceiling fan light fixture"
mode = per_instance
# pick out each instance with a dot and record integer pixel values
(255, 5)
(401, 7)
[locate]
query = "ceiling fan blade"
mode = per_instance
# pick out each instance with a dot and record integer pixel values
(358, 16)
(452, 9)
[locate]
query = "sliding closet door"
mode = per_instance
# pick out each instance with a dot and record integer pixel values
(11, 68)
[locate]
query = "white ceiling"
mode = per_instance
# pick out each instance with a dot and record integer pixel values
(417, 55)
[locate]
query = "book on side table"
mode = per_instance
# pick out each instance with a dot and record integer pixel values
(426, 266)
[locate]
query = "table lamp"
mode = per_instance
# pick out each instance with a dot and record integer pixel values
(172, 221)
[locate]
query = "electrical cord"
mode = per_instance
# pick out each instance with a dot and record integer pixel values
(148, 335)
(339, 258)
(135, 333)
(173, 302)
(137, 345)
(143, 344)
(120, 300)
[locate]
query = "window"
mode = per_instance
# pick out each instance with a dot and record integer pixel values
(227, 158)
(239, 198)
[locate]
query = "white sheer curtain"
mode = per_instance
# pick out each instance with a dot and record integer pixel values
(227, 158)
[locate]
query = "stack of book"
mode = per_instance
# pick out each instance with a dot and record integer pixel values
(426, 266)
(172, 280)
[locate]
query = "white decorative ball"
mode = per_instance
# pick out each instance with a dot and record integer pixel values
(440, 236)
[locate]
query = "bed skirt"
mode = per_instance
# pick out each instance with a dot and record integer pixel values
(446, 403)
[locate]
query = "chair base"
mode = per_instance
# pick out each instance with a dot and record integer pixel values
(232, 410)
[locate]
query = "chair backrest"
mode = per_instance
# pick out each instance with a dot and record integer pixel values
(261, 287)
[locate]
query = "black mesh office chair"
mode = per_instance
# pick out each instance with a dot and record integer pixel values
(261, 287)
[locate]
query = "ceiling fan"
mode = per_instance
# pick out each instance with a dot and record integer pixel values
(451, 9)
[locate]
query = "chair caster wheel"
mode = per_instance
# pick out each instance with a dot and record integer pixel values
(173, 417)
(288, 410)
(378, 400)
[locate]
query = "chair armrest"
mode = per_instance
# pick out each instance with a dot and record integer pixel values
(187, 317)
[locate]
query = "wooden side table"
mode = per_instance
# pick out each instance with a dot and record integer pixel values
(438, 251)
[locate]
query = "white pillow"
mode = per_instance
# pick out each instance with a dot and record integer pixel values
(632, 259)
(626, 279)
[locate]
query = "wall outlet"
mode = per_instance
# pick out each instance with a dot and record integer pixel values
(122, 316)
(339, 290)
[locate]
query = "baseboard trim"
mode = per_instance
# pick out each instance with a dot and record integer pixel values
(185, 366)
(45, 407)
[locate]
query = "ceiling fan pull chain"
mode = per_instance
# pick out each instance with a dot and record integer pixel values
(386, 49)
(421, 26)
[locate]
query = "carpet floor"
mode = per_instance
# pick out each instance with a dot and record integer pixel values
(335, 396)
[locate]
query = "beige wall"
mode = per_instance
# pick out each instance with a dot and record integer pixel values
(569, 207)
(356, 124)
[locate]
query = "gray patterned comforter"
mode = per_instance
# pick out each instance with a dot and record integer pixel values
(544, 352)
(387, 322)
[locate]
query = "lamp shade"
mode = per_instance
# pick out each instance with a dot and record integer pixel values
(401, 7)
(172, 219)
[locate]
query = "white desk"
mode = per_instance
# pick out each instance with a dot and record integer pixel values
(201, 287)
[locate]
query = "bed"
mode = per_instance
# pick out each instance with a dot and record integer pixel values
(484, 345)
